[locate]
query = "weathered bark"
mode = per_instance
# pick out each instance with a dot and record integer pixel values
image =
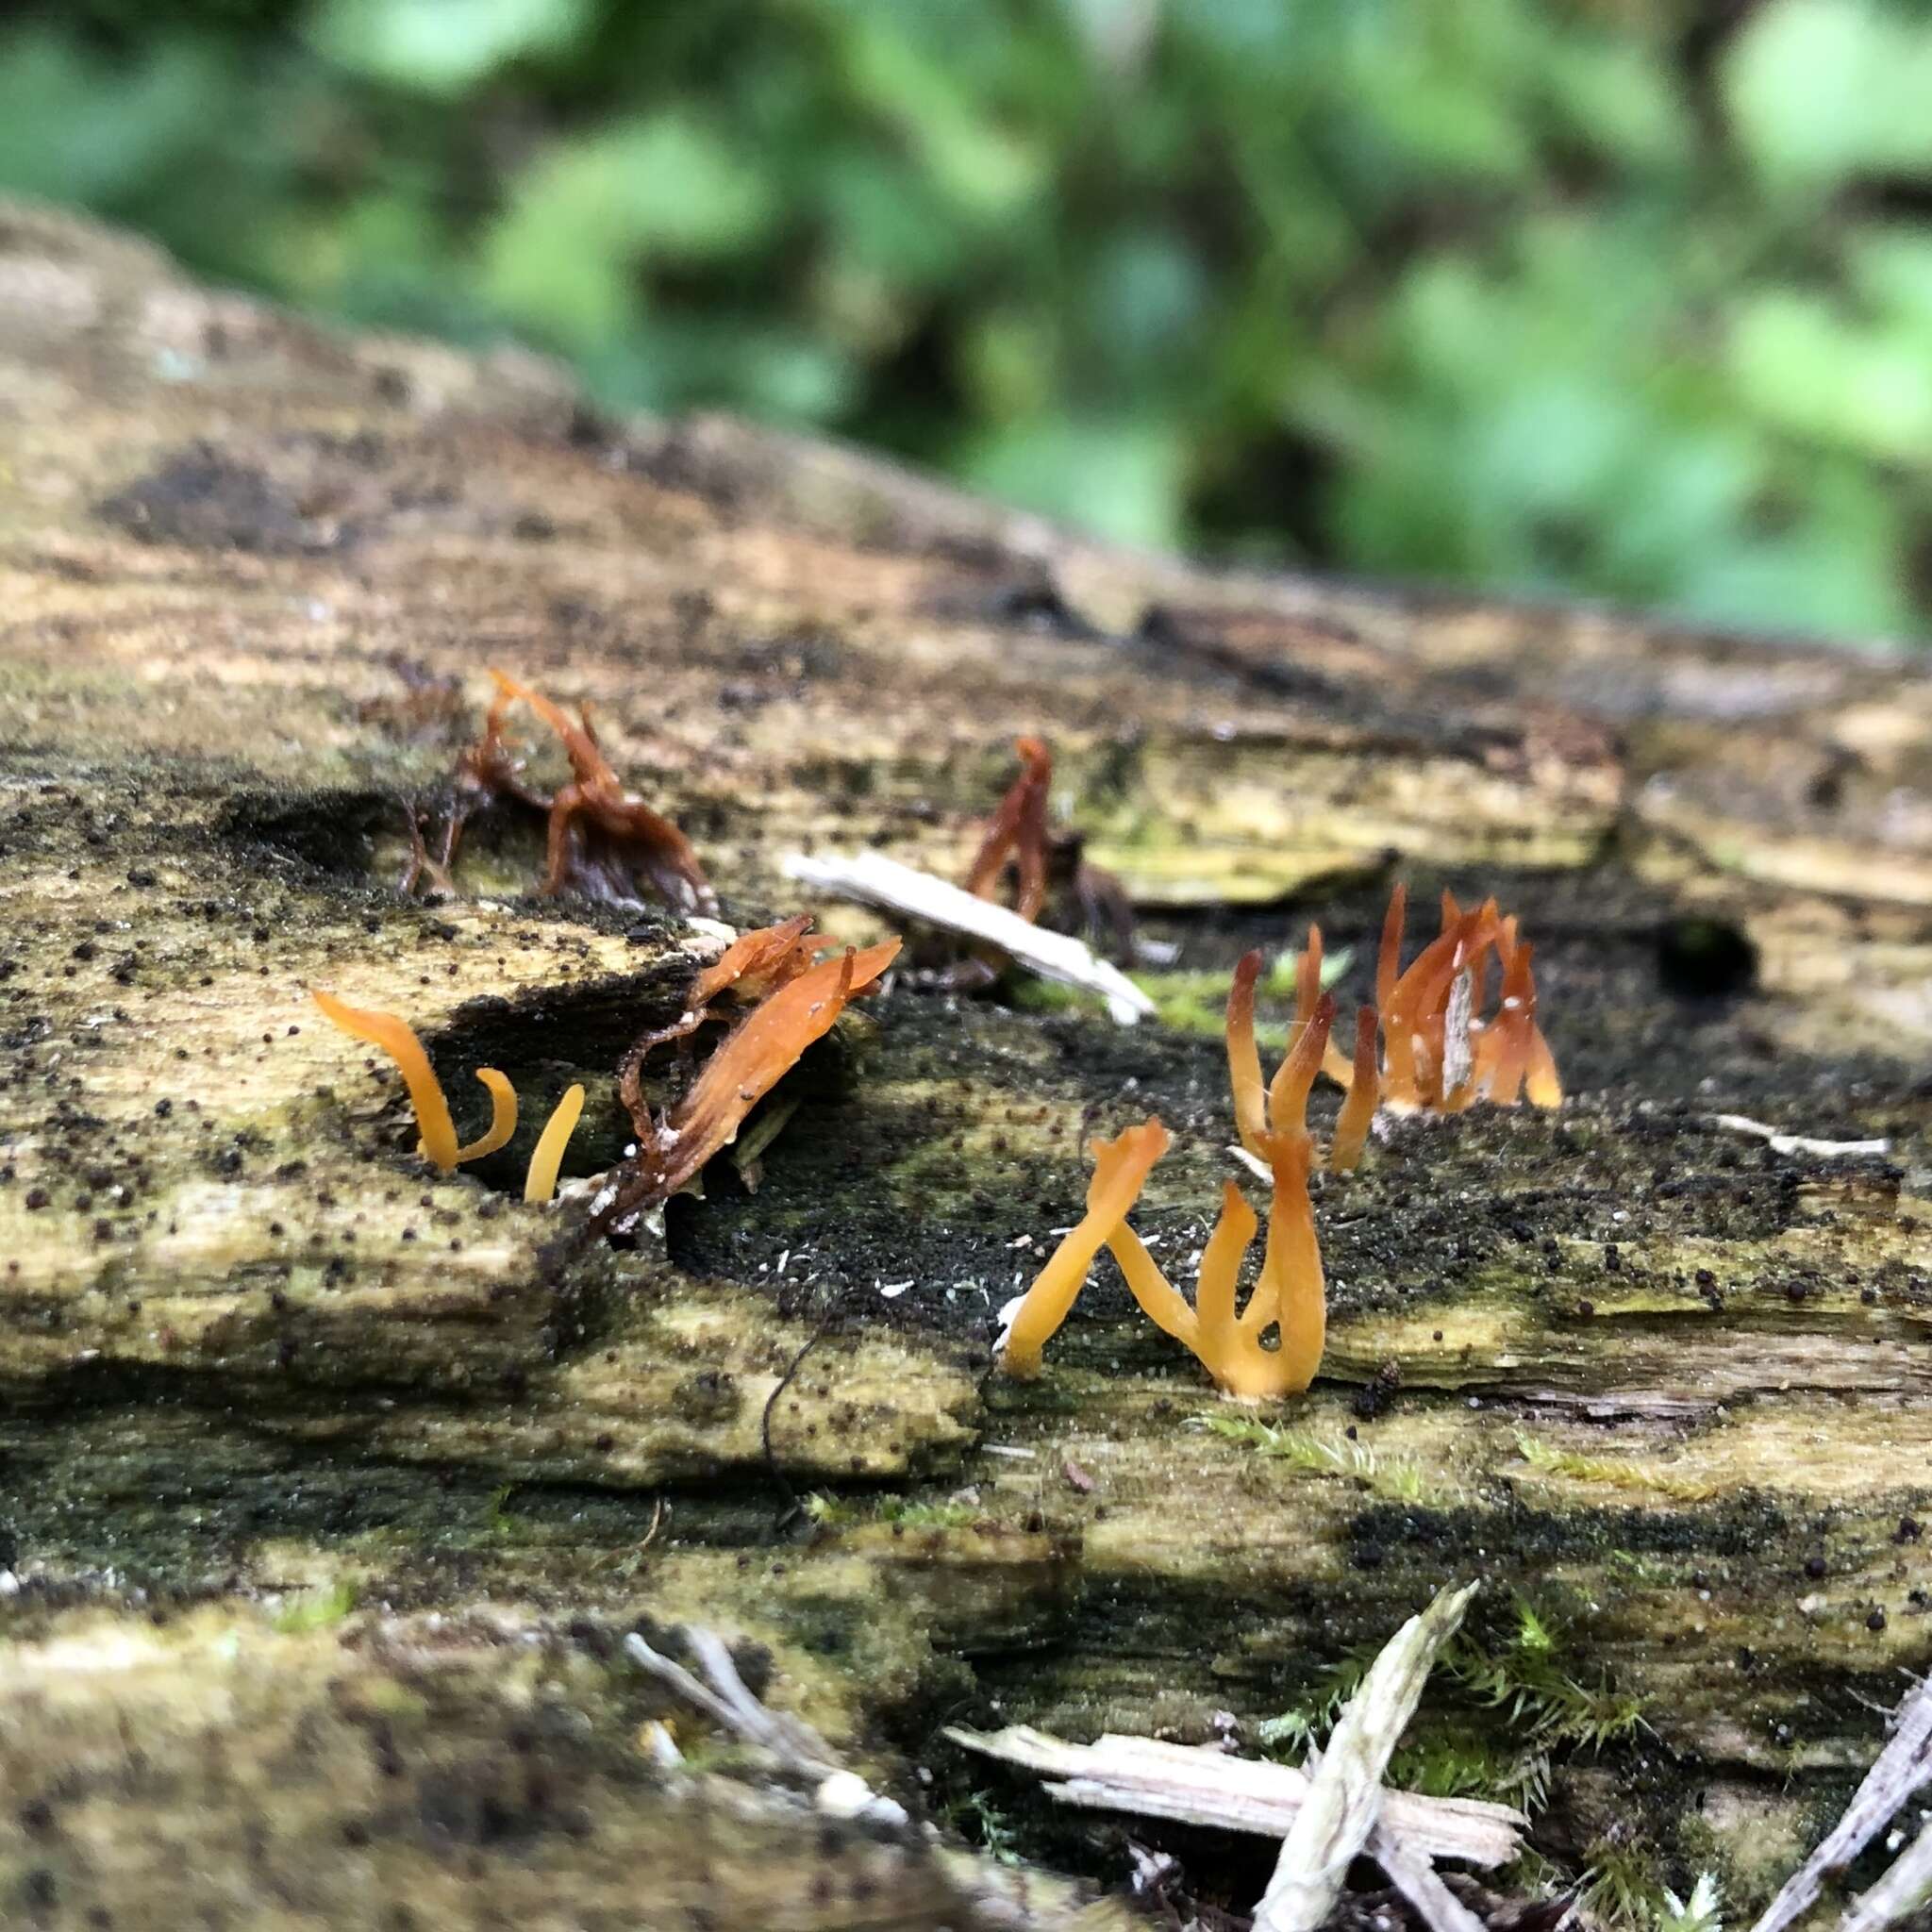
(1670, 1386)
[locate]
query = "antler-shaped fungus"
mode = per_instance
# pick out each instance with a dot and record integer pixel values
(1290, 1295)
(1435, 1053)
(639, 841)
(397, 1039)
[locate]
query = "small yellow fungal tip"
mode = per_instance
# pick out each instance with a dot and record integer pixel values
(539, 1184)
(503, 1116)
(398, 1039)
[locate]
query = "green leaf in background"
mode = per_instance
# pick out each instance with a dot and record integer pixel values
(1801, 363)
(443, 46)
(1823, 90)
(565, 257)
(1122, 479)
(75, 126)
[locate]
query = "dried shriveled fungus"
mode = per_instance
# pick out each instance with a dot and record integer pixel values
(397, 1039)
(759, 1050)
(1049, 865)
(754, 966)
(603, 840)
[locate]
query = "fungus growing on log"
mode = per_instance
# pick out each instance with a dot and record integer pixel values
(397, 1039)
(759, 1050)
(754, 966)
(1262, 1113)
(1052, 879)
(1019, 832)
(1290, 1294)
(540, 1181)
(1120, 1167)
(602, 841)
(1437, 1054)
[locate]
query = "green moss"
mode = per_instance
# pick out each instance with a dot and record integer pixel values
(317, 1609)
(1393, 1478)
(1546, 1703)
(845, 1512)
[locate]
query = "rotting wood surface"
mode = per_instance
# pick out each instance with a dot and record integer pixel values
(328, 1487)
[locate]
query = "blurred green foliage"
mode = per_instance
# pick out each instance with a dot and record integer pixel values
(1613, 296)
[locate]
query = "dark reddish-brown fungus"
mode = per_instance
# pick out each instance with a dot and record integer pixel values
(603, 840)
(1019, 832)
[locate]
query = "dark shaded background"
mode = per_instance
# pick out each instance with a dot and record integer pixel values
(1603, 296)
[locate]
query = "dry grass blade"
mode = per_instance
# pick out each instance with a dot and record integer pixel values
(874, 880)
(1344, 1801)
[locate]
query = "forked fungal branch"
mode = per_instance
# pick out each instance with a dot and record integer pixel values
(1019, 831)
(1290, 1294)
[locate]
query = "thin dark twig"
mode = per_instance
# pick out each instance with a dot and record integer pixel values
(792, 1507)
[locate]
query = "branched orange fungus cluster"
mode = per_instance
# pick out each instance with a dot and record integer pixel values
(1288, 1295)
(397, 1039)
(1434, 1055)
(771, 986)
(1437, 1056)
(786, 998)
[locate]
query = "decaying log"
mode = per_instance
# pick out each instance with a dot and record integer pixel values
(330, 1486)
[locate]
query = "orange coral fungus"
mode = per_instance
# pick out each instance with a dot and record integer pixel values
(540, 1181)
(1436, 1053)
(1286, 1095)
(1120, 1169)
(603, 840)
(1364, 1090)
(1019, 832)
(1290, 1295)
(398, 1039)
(763, 1047)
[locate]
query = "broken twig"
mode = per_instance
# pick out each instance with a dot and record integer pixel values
(1345, 1800)
(874, 880)
(1798, 1143)
(1195, 1785)
(1903, 1768)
